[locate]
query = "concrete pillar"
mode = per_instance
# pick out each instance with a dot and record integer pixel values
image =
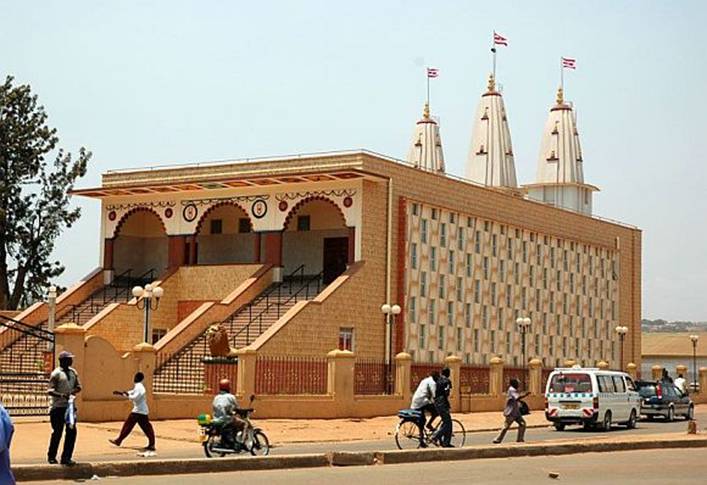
(256, 247)
(535, 386)
(602, 365)
(657, 372)
(108, 253)
(71, 337)
(340, 380)
(247, 362)
(632, 370)
(403, 363)
(176, 251)
(145, 356)
(351, 252)
(454, 363)
(703, 380)
(496, 376)
(681, 369)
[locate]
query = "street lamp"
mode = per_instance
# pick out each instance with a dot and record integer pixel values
(694, 339)
(389, 310)
(51, 318)
(145, 298)
(622, 331)
(523, 325)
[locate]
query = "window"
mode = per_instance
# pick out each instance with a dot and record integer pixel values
(469, 265)
(525, 251)
(509, 296)
(509, 343)
(450, 262)
(423, 284)
(558, 281)
(303, 223)
(531, 275)
(422, 337)
(486, 267)
(545, 278)
(523, 298)
(477, 242)
(460, 339)
(485, 316)
(460, 239)
(571, 382)
(493, 294)
(434, 214)
(606, 384)
(537, 344)
(450, 313)
(452, 218)
(494, 244)
(413, 255)
(516, 273)
(467, 314)
(469, 222)
(413, 309)
(487, 226)
(157, 334)
(433, 259)
(619, 384)
(423, 231)
(476, 340)
(431, 317)
(216, 226)
(477, 291)
(414, 209)
(492, 341)
(502, 269)
(244, 225)
(440, 338)
(443, 234)
(537, 300)
(441, 286)
(346, 335)
(460, 288)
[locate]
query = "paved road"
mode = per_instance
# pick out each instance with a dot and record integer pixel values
(625, 467)
(533, 435)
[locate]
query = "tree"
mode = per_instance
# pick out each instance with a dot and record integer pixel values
(34, 196)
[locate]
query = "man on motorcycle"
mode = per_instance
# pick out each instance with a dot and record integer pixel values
(224, 407)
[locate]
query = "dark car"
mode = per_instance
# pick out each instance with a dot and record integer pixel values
(664, 399)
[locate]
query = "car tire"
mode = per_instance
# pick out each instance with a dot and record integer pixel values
(690, 413)
(631, 423)
(650, 417)
(670, 417)
(606, 423)
(559, 426)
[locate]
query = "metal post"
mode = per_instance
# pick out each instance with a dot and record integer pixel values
(146, 334)
(51, 319)
(694, 366)
(621, 351)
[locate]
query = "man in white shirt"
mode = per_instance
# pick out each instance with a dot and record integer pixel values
(139, 414)
(681, 384)
(423, 401)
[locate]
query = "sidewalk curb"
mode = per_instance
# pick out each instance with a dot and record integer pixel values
(215, 465)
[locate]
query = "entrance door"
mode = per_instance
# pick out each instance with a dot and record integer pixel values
(336, 251)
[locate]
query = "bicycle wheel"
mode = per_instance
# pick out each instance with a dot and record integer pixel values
(458, 434)
(407, 435)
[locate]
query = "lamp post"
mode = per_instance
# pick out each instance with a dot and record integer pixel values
(51, 303)
(694, 339)
(523, 324)
(148, 299)
(621, 331)
(389, 310)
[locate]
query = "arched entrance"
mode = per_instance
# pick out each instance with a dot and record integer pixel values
(316, 236)
(140, 244)
(225, 235)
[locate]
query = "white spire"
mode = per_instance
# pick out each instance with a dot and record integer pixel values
(560, 175)
(490, 160)
(426, 147)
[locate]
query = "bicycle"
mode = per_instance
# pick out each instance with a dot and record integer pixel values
(407, 433)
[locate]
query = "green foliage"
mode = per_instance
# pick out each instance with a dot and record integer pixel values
(34, 196)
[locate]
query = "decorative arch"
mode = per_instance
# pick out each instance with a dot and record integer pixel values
(205, 215)
(298, 206)
(132, 212)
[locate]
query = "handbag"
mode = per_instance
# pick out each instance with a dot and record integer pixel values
(523, 408)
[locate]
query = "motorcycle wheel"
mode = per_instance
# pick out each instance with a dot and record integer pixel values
(208, 445)
(260, 444)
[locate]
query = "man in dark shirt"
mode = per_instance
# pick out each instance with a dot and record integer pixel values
(63, 384)
(441, 401)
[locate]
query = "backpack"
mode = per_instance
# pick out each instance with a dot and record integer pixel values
(523, 408)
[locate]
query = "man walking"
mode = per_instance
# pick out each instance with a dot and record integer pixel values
(139, 414)
(6, 431)
(63, 384)
(512, 412)
(441, 401)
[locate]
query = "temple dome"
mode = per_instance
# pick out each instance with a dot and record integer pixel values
(426, 146)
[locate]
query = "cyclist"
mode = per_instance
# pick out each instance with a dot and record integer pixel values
(423, 401)
(441, 402)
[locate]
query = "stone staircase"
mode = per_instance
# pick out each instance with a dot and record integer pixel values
(183, 372)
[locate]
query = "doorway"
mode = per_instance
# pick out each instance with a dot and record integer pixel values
(336, 251)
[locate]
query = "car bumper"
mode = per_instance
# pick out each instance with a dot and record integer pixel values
(654, 410)
(572, 419)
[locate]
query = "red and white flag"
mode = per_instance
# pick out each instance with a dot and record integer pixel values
(568, 63)
(498, 39)
(432, 72)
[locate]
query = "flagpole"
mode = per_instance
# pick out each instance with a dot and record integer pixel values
(428, 87)
(493, 49)
(562, 76)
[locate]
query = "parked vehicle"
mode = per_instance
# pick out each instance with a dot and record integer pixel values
(664, 399)
(591, 397)
(218, 440)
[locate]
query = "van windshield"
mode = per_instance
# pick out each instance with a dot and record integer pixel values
(571, 382)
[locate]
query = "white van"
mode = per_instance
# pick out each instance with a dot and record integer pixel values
(591, 397)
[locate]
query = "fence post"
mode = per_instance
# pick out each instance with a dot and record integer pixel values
(454, 363)
(496, 376)
(247, 362)
(144, 354)
(71, 337)
(632, 370)
(602, 365)
(340, 380)
(570, 363)
(657, 372)
(703, 380)
(403, 362)
(535, 376)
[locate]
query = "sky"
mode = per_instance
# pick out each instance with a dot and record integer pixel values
(144, 82)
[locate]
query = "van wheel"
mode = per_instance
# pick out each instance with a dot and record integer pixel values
(690, 413)
(670, 417)
(631, 423)
(606, 424)
(559, 426)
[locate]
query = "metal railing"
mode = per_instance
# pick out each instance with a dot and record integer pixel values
(474, 379)
(291, 375)
(371, 377)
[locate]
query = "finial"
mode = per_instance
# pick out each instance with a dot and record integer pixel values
(560, 97)
(492, 84)
(426, 111)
